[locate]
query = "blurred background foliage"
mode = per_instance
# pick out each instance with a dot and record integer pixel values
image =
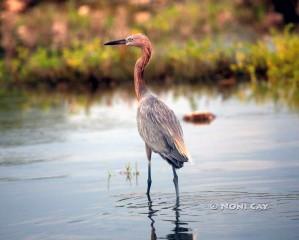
(59, 44)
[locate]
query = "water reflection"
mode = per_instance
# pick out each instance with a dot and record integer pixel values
(164, 218)
(150, 215)
(74, 102)
(180, 230)
(67, 144)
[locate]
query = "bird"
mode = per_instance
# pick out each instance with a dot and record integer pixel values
(157, 124)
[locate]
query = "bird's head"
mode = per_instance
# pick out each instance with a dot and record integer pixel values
(137, 40)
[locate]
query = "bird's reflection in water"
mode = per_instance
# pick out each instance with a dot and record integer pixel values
(180, 231)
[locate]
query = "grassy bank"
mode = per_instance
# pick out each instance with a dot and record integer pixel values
(60, 43)
(274, 58)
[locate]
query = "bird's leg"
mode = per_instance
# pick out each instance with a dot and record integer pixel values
(175, 181)
(149, 177)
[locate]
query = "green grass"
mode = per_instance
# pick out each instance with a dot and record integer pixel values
(56, 44)
(275, 59)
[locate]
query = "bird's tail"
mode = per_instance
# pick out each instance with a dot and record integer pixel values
(178, 153)
(175, 159)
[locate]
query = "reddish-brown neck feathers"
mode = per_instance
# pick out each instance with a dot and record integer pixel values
(140, 65)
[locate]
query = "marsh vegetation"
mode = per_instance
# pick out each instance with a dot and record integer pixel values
(61, 45)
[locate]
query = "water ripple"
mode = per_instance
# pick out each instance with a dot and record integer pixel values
(199, 203)
(15, 179)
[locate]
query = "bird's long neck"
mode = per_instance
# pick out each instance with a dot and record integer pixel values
(140, 65)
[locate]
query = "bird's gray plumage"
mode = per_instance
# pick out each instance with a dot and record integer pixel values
(157, 124)
(161, 130)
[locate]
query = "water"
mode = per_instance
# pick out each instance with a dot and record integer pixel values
(63, 162)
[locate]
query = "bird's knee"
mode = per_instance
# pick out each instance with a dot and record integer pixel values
(149, 181)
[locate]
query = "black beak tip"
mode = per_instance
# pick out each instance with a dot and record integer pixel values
(116, 42)
(107, 43)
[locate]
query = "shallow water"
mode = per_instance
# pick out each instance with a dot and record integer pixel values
(63, 169)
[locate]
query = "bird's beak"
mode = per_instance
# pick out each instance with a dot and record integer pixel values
(116, 42)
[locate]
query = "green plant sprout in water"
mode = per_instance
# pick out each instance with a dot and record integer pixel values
(128, 171)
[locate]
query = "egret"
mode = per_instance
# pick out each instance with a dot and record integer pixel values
(157, 124)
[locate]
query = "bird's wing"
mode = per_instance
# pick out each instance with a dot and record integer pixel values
(160, 128)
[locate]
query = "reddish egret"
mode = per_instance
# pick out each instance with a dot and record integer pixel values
(157, 124)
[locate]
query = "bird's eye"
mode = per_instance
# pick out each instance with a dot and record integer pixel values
(130, 39)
